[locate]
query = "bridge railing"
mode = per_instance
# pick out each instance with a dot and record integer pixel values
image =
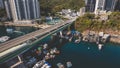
(14, 42)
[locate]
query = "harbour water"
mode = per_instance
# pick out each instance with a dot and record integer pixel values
(87, 55)
(81, 55)
(18, 31)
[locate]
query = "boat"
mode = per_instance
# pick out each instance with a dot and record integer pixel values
(31, 61)
(100, 46)
(69, 64)
(46, 65)
(45, 46)
(60, 65)
(4, 38)
(18, 32)
(70, 39)
(78, 40)
(42, 64)
(85, 38)
(9, 30)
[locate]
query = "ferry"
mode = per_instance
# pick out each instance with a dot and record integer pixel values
(4, 38)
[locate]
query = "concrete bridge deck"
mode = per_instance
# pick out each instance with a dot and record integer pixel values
(21, 39)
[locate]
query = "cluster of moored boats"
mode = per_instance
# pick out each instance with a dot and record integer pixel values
(49, 54)
(91, 36)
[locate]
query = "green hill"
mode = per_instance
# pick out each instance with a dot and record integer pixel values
(88, 21)
(53, 6)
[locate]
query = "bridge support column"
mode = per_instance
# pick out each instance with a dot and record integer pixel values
(18, 63)
(19, 58)
(61, 35)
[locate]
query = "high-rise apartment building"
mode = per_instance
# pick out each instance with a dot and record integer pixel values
(90, 5)
(100, 4)
(110, 5)
(7, 8)
(117, 7)
(85, 2)
(23, 9)
(1, 4)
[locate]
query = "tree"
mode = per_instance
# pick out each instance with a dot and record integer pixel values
(88, 21)
(53, 6)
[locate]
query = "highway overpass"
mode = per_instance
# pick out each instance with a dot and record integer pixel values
(5, 48)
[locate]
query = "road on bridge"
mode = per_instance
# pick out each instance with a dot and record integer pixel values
(14, 42)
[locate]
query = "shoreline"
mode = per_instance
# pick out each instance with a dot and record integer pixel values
(115, 40)
(114, 35)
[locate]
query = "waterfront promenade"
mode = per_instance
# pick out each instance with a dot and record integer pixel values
(24, 38)
(27, 24)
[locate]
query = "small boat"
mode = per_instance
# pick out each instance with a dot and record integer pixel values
(60, 65)
(70, 39)
(46, 65)
(57, 52)
(9, 30)
(100, 46)
(45, 46)
(19, 32)
(69, 64)
(4, 38)
(85, 39)
(77, 41)
(42, 64)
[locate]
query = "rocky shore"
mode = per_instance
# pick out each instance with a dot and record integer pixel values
(115, 40)
(114, 35)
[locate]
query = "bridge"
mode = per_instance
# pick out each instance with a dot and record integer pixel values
(39, 33)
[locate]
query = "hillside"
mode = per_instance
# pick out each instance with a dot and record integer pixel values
(52, 6)
(88, 21)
